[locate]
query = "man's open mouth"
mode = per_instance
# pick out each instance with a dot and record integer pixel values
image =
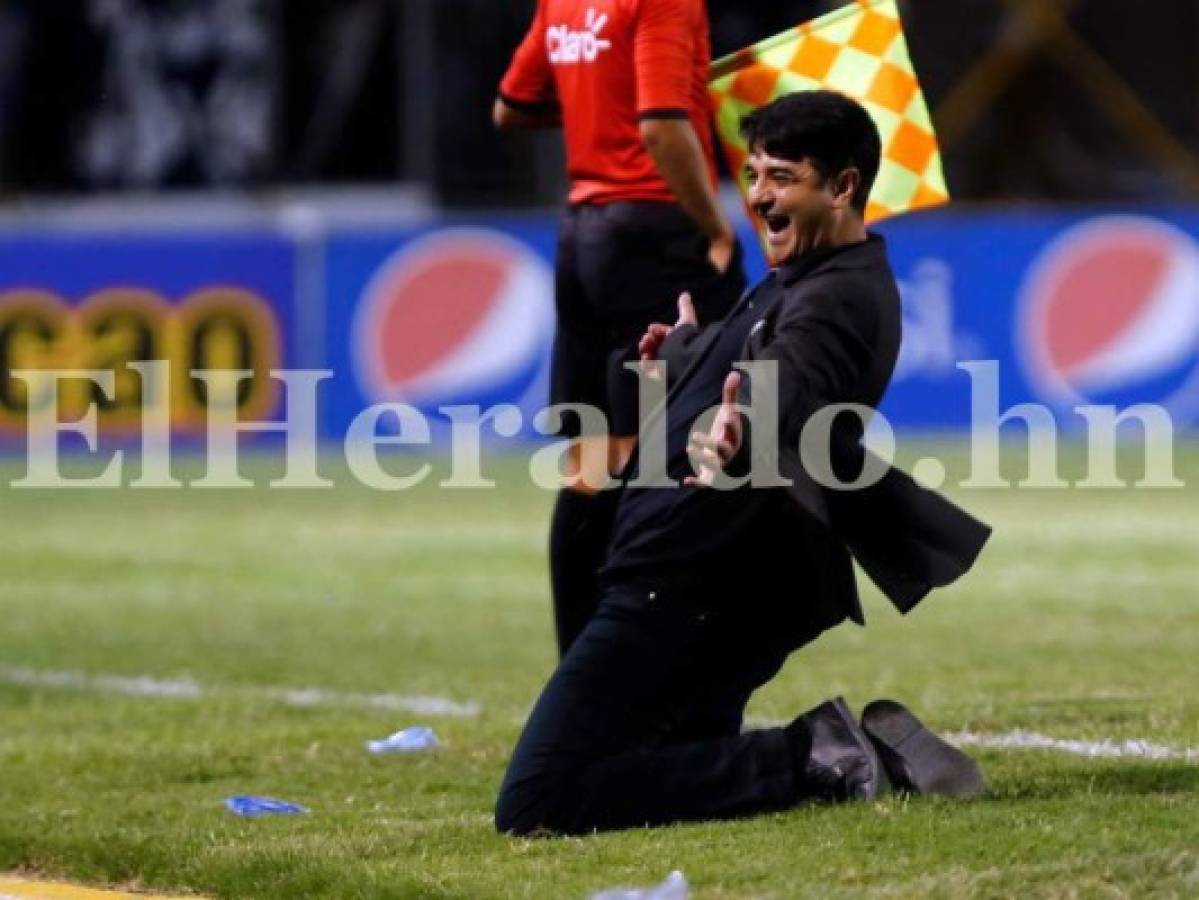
(777, 224)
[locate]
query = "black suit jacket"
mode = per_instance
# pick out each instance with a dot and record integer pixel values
(834, 328)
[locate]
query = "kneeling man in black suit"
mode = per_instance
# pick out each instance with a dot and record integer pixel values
(708, 588)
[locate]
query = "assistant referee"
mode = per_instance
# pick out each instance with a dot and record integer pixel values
(626, 80)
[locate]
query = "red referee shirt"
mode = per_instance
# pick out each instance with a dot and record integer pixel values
(609, 64)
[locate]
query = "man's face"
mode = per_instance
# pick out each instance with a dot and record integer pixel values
(793, 200)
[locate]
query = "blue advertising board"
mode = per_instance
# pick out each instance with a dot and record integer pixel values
(1074, 310)
(1071, 309)
(458, 313)
(96, 302)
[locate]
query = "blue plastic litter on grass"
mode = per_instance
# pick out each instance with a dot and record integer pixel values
(250, 806)
(410, 740)
(675, 887)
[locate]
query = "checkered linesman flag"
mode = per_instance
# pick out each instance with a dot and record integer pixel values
(860, 51)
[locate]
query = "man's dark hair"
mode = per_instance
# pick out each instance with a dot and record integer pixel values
(828, 129)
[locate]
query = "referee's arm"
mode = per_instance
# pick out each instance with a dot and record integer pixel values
(676, 151)
(665, 48)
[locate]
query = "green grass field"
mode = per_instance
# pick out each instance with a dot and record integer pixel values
(1081, 622)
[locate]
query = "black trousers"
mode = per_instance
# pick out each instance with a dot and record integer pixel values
(641, 722)
(619, 267)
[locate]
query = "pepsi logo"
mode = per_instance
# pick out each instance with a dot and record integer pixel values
(1109, 314)
(459, 316)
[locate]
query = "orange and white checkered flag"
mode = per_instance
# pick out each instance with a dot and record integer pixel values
(860, 51)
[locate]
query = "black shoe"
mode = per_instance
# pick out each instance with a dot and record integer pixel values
(842, 763)
(916, 759)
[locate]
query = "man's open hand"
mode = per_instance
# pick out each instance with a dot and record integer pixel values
(711, 452)
(651, 342)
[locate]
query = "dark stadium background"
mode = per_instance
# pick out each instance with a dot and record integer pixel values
(378, 91)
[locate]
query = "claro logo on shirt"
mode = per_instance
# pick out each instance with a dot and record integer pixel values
(567, 47)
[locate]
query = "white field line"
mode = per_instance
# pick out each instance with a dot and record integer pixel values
(1030, 740)
(1103, 749)
(145, 686)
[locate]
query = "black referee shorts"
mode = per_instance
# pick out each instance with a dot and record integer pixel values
(620, 267)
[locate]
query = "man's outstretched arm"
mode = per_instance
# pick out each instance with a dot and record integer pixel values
(822, 349)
